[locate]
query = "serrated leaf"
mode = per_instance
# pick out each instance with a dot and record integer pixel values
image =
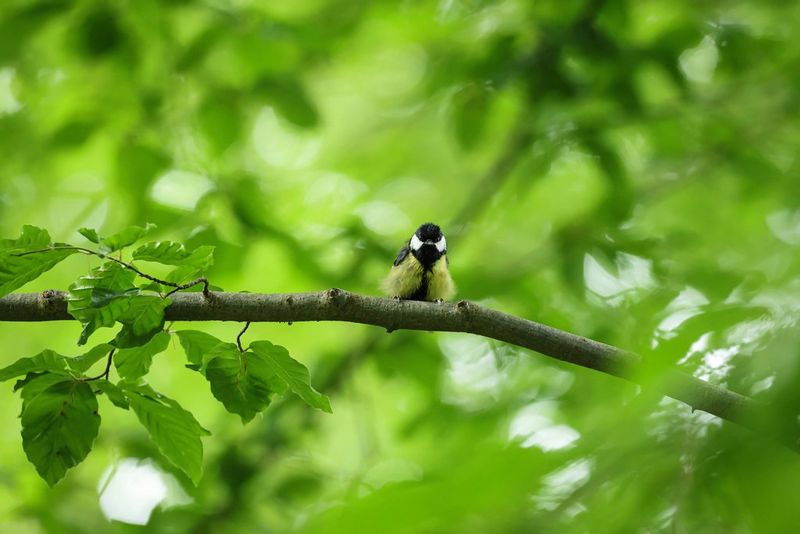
(46, 361)
(32, 238)
(175, 431)
(124, 238)
(166, 252)
(16, 271)
(292, 372)
(135, 362)
(90, 234)
(99, 298)
(200, 347)
(113, 393)
(59, 426)
(198, 262)
(243, 382)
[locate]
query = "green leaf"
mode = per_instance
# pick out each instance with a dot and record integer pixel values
(198, 262)
(90, 234)
(59, 426)
(145, 314)
(166, 252)
(126, 339)
(99, 298)
(243, 382)
(32, 238)
(114, 393)
(292, 372)
(45, 361)
(85, 361)
(175, 431)
(126, 237)
(135, 362)
(199, 346)
(34, 383)
(15, 270)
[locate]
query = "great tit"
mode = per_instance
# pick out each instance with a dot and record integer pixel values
(420, 270)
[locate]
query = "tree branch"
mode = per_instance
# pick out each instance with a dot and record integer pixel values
(338, 305)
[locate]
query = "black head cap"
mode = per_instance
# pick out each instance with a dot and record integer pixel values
(429, 232)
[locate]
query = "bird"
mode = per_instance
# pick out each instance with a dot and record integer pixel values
(420, 270)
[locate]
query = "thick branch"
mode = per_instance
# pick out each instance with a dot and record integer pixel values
(339, 305)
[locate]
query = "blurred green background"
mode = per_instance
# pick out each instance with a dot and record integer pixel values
(626, 170)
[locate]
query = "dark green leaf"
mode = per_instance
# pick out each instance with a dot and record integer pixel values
(243, 382)
(114, 393)
(199, 346)
(90, 234)
(175, 431)
(99, 298)
(35, 383)
(135, 362)
(292, 372)
(59, 426)
(145, 314)
(126, 339)
(45, 361)
(15, 270)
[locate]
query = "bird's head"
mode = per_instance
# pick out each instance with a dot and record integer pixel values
(428, 244)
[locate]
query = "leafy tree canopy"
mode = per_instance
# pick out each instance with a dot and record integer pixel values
(623, 170)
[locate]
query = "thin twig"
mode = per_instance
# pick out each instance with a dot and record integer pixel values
(105, 373)
(239, 337)
(90, 252)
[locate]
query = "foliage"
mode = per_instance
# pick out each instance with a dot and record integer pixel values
(59, 416)
(620, 169)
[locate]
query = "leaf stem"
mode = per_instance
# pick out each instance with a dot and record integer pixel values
(239, 337)
(105, 373)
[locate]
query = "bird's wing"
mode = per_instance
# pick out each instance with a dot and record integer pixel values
(401, 255)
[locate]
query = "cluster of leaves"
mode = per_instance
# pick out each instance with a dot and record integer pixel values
(60, 418)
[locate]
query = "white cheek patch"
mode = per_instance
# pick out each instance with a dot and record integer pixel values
(416, 244)
(441, 245)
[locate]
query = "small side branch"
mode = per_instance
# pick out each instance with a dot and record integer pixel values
(130, 266)
(105, 373)
(239, 337)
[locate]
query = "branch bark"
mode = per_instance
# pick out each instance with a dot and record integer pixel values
(338, 305)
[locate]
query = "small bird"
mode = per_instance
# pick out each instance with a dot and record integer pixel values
(420, 270)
